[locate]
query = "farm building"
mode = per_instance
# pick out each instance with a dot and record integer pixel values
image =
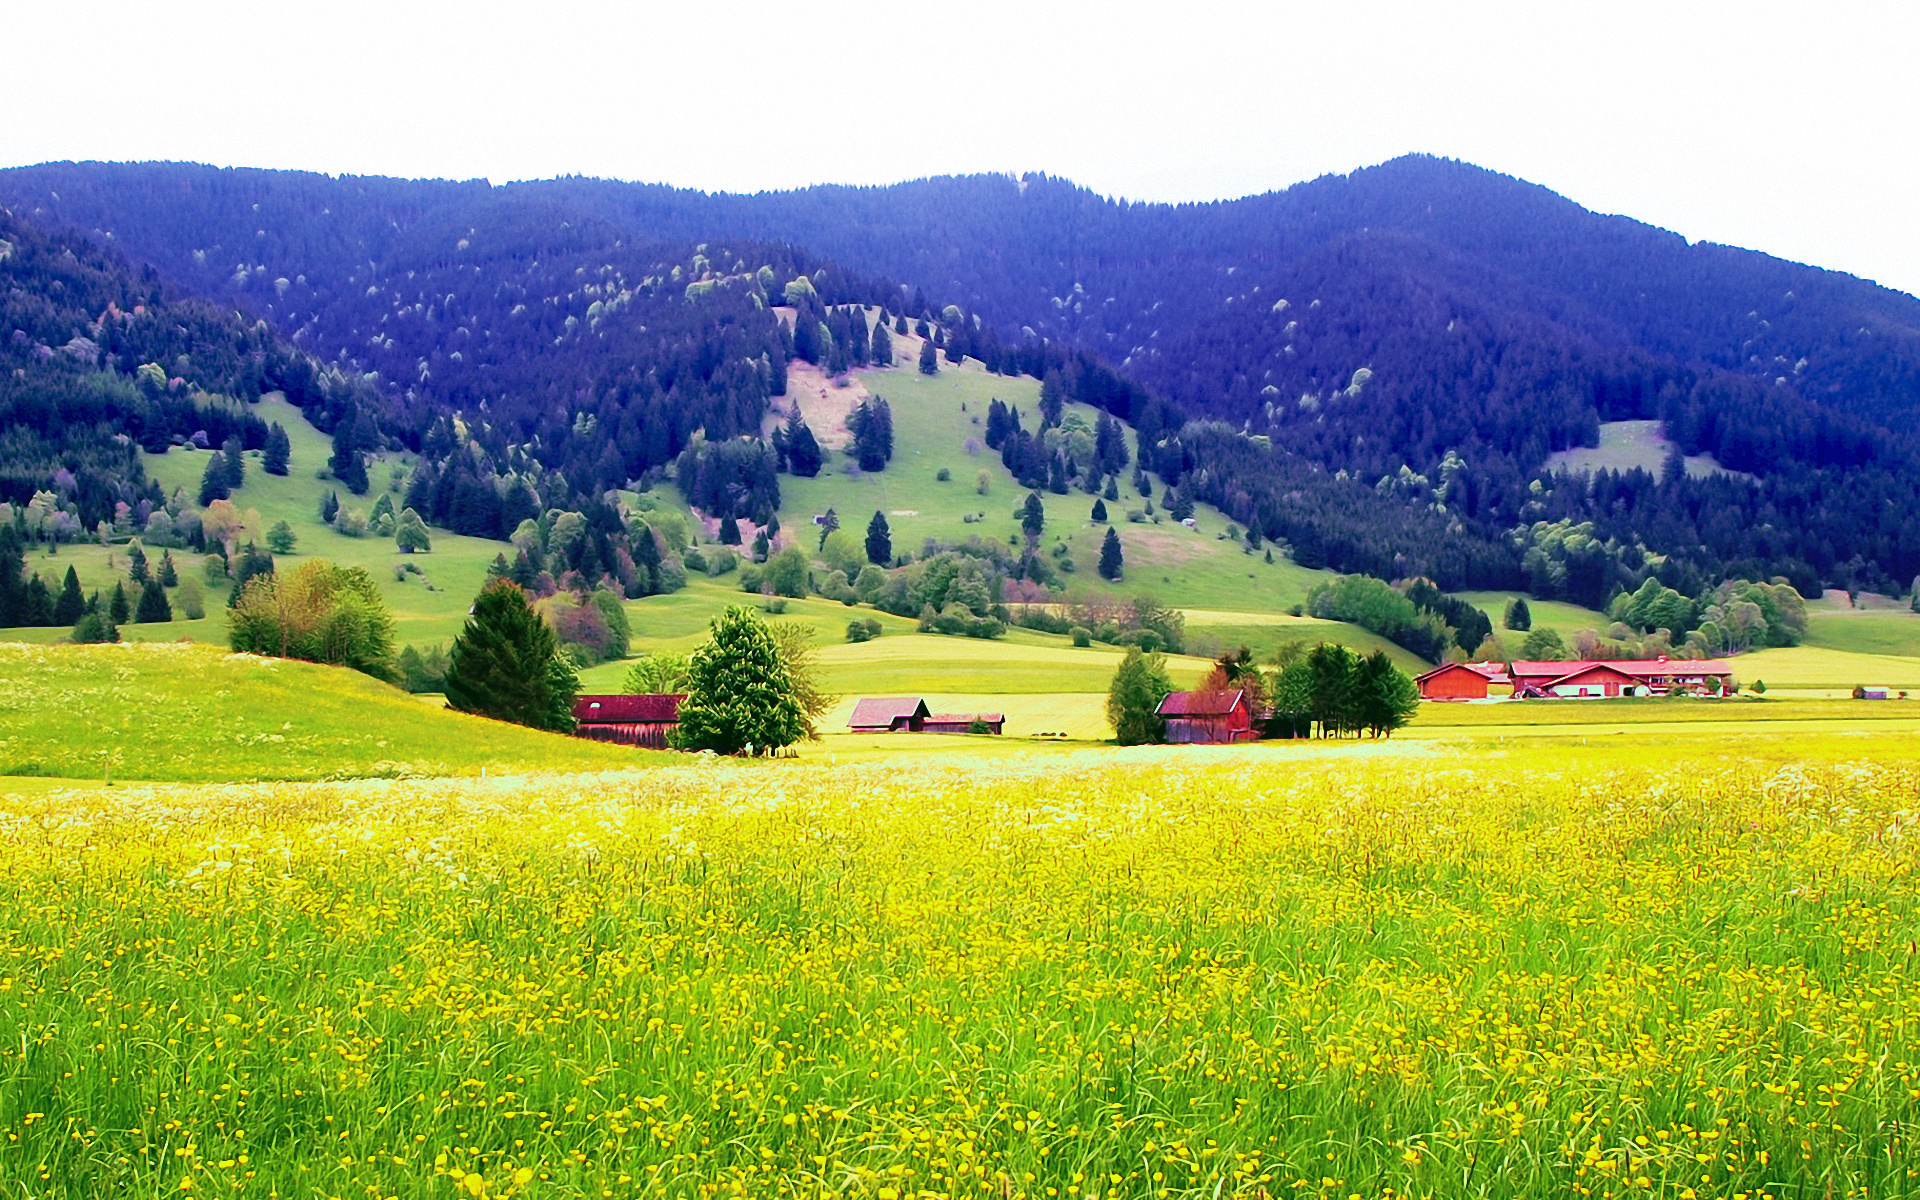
(889, 714)
(1204, 717)
(627, 720)
(1574, 680)
(908, 714)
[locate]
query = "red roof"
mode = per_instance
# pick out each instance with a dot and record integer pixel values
(880, 712)
(1592, 671)
(627, 710)
(964, 718)
(1639, 668)
(1200, 704)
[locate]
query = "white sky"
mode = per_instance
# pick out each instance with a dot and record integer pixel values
(1793, 129)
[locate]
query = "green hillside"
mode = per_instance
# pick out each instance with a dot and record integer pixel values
(183, 712)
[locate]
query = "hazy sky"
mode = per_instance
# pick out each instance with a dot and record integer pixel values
(1786, 128)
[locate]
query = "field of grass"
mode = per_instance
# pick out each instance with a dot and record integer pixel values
(1630, 445)
(186, 712)
(1889, 631)
(1558, 615)
(1155, 973)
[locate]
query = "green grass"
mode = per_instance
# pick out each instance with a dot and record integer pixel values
(1631, 445)
(1377, 969)
(1558, 615)
(183, 712)
(1887, 631)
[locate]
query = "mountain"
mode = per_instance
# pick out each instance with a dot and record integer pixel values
(1427, 328)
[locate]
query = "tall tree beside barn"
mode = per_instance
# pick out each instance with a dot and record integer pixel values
(1139, 685)
(507, 664)
(739, 694)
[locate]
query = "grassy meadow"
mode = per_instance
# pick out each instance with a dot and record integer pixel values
(1369, 970)
(185, 712)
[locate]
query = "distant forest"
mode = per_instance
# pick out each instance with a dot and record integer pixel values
(1370, 370)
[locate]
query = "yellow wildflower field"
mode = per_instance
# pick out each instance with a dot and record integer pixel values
(1445, 971)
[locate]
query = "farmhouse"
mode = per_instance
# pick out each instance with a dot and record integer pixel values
(627, 720)
(1204, 717)
(1574, 680)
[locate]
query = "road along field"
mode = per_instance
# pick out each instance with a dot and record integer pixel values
(1420, 970)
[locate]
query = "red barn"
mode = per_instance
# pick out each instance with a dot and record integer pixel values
(627, 720)
(1207, 717)
(1462, 681)
(963, 722)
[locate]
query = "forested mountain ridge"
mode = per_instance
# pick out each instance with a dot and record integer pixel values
(1426, 327)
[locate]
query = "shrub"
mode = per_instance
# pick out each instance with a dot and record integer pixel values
(1082, 636)
(943, 475)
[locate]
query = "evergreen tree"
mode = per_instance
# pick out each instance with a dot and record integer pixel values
(762, 546)
(1099, 513)
(507, 664)
(329, 507)
(347, 463)
(803, 451)
(1519, 617)
(1111, 561)
(154, 608)
(169, 575)
(234, 461)
(881, 345)
(252, 562)
(278, 451)
(1053, 399)
(1057, 475)
(879, 540)
(213, 481)
(929, 358)
(118, 610)
(1133, 701)
(729, 531)
(1033, 516)
(739, 693)
(71, 603)
(900, 324)
(136, 563)
(280, 539)
(39, 603)
(828, 525)
(1112, 492)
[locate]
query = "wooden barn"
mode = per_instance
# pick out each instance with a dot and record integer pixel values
(627, 720)
(1463, 681)
(1207, 717)
(963, 722)
(889, 714)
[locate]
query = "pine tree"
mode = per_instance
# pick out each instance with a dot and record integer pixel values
(803, 451)
(762, 546)
(281, 539)
(1033, 516)
(1112, 492)
(118, 610)
(1053, 399)
(347, 463)
(137, 563)
(213, 481)
(729, 531)
(329, 507)
(279, 450)
(900, 324)
(169, 575)
(740, 696)
(1099, 513)
(1111, 560)
(507, 664)
(1519, 617)
(234, 459)
(881, 345)
(879, 540)
(154, 609)
(929, 359)
(71, 603)
(828, 524)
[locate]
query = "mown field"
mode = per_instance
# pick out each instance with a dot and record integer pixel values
(1369, 971)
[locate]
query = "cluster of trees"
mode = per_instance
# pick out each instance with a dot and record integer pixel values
(141, 598)
(1326, 689)
(871, 423)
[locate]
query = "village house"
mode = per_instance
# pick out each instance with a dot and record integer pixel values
(1581, 680)
(627, 720)
(1207, 717)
